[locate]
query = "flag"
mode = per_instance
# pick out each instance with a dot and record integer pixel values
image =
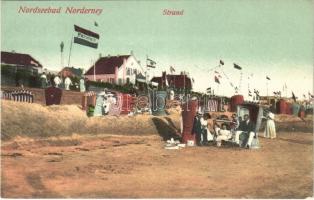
(86, 37)
(275, 93)
(172, 69)
(216, 72)
(150, 63)
(219, 76)
(236, 89)
(221, 62)
(293, 97)
(217, 80)
(95, 23)
(237, 66)
(209, 90)
(267, 78)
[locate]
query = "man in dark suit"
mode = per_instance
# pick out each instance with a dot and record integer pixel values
(247, 129)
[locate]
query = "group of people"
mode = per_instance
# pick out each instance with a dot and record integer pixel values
(237, 130)
(57, 82)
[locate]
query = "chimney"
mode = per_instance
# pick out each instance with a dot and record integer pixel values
(131, 52)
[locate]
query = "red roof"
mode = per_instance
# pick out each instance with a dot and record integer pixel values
(176, 81)
(106, 65)
(19, 59)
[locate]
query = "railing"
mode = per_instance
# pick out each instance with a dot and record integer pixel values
(18, 95)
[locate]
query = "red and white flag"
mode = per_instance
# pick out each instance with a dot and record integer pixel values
(86, 37)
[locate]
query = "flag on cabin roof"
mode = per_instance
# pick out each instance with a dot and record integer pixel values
(294, 97)
(221, 62)
(172, 69)
(237, 66)
(267, 78)
(217, 80)
(106, 65)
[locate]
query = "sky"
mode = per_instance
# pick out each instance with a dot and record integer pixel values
(266, 38)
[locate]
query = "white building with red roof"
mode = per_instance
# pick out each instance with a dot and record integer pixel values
(120, 69)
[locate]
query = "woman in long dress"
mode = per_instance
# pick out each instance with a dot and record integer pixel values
(270, 129)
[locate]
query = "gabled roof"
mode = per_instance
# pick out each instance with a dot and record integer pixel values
(106, 65)
(19, 59)
(177, 81)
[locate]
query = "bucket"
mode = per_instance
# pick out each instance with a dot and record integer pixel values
(190, 143)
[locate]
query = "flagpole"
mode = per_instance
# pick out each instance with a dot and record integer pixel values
(94, 71)
(70, 51)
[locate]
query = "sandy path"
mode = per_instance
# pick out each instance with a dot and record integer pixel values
(138, 166)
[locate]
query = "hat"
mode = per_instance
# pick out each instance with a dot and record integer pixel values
(199, 113)
(271, 115)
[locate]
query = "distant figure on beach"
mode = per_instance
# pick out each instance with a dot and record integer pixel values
(67, 83)
(270, 129)
(43, 80)
(82, 85)
(57, 81)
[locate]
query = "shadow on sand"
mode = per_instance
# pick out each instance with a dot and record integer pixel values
(166, 130)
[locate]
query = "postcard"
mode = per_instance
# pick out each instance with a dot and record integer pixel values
(157, 99)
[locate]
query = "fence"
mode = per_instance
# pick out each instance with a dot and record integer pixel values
(18, 95)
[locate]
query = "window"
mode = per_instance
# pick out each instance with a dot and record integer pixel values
(128, 71)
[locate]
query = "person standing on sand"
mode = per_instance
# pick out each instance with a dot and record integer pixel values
(43, 80)
(67, 83)
(270, 129)
(57, 81)
(204, 126)
(197, 128)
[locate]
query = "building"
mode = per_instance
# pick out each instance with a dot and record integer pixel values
(115, 69)
(20, 61)
(71, 72)
(178, 82)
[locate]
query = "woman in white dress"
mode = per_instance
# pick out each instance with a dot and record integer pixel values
(270, 129)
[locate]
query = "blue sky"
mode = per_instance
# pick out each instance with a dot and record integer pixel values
(273, 38)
